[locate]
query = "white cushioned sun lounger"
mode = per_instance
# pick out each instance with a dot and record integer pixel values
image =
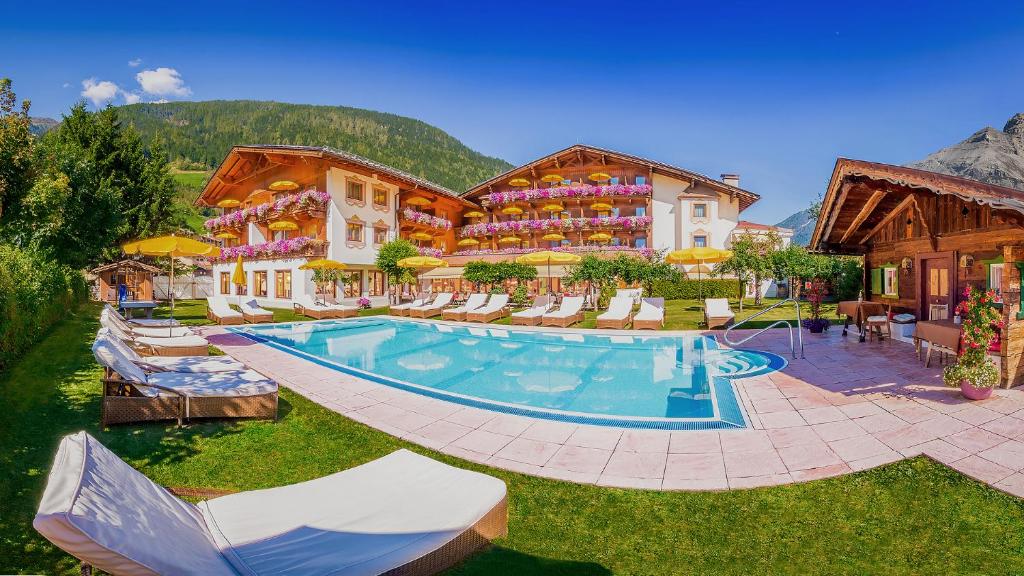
(152, 346)
(717, 312)
(307, 306)
(252, 312)
(651, 315)
(147, 322)
(472, 303)
(404, 513)
(172, 363)
(403, 309)
(620, 308)
(218, 310)
(433, 308)
(107, 318)
(568, 313)
(494, 309)
(531, 316)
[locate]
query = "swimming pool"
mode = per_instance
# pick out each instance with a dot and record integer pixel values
(663, 382)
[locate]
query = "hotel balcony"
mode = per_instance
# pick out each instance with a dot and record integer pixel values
(300, 247)
(300, 208)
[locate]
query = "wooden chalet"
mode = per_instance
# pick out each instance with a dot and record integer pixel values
(925, 237)
(135, 276)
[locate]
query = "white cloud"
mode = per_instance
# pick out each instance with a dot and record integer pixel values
(66, 85)
(160, 101)
(99, 92)
(132, 97)
(163, 82)
(134, 62)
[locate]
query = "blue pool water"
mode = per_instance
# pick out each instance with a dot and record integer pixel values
(668, 382)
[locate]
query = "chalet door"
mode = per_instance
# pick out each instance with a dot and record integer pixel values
(937, 278)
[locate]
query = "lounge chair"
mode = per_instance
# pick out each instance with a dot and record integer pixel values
(108, 319)
(400, 514)
(474, 302)
(307, 306)
(569, 313)
(717, 313)
(651, 315)
(497, 307)
(144, 322)
(155, 346)
(252, 312)
(172, 363)
(218, 310)
(132, 395)
(403, 309)
(619, 313)
(531, 316)
(432, 309)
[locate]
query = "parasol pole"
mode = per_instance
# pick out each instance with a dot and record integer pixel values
(170, 288)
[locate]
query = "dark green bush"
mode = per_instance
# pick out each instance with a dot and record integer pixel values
(688, 289)
(34, 293)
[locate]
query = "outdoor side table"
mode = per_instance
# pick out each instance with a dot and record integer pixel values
(941, 334)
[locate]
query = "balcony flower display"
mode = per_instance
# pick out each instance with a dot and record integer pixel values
(428, 251)
(426, 219)
(584, 191)
(645, 252)
(561, 225)
(275, 249)
(307, 200)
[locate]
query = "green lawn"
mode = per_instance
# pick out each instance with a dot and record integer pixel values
(913, 517)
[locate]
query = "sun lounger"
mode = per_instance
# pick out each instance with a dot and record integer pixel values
(432, 309)
(403, 309)
(459, 313)
(401, 514)
(307, 306)
(218, 310)
(651, 315)
(132, 395)
(172, 363)
(252, 312)
(107, 318)
(532, 315)
(619, 313)
(717, 313)
(496, 307)
(145, 322)
(156, 346)
(569, 313)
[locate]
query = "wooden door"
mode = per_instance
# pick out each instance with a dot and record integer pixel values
(938, 279)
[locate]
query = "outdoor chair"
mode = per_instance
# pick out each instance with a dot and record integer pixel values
(619, 313)
(496, 308)
(403, 309)
(651, 315)
(172, 363)
(432, 309)
(253, 313)
(532, 315)
(717, 313)
(400, 514)
(218, 310)
(569, 313)
(474, 302)
(307, 306)
(878, 325)
(161, 346)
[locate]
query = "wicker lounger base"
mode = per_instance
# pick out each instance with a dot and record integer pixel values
(257, 318)
(427, 313)
(172, 350)
(453, 315)
(225, 321)
(486, 317)
(648, 324)
(719, 321)
(525, 321)
(345, 313)
(398, 311)
(617, 324)
(562, 322)
(314, 314)
(126, 409)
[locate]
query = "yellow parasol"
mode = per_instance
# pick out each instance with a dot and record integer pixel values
(283, 224)
(553, 237)
(323, 264)
(421, 262)
(519, 182)
(468, 242)
(171, 247)
(511, 210)
(238, 279)
(699, 255)
(553, 207)
(418, 201)
(229, 203)
(601, 206)
(509, 240)
(600, 237)
(283, 186)
(225, 235)
(548, 257)
(420, 236)
(474, 214)
(552, 178)
(600, 177)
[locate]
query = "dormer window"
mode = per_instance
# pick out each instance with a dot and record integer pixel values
(700, 210)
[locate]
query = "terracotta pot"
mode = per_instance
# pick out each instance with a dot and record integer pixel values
(972, 393)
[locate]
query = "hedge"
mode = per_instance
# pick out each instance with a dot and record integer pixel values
(689, 289)
(34, 294)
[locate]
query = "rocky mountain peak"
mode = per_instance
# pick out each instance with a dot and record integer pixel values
(1015, 126)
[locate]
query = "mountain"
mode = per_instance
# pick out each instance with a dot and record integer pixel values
(199, 134)
(40, 126)
(988, 155)
(802, 225)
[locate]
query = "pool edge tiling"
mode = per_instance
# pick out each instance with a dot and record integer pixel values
(727, 409)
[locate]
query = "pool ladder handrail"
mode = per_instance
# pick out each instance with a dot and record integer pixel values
(786, 323)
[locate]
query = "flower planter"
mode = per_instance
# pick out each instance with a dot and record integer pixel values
(972, 393)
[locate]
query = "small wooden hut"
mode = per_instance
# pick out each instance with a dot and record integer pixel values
(136, 277)
(926, 236)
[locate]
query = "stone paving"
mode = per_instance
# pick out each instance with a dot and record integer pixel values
(848, 406)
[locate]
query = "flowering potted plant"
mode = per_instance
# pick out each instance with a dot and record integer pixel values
(815, 294)
(363, 302)
(973, 372)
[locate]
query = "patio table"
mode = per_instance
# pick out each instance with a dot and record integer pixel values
(942, 334)
(127, 306)
(858, 311)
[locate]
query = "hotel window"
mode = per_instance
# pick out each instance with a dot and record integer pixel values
(354, 190)
(376, 283)
(616, 241)
(640, 242)
(283, 284)
(995, 277)
(354, 232)
(700, 241)
(640, 211)
(700, 210)
(225, 283)
(890, 288)
(380, 235)
(280, 235)
(353, 287)
(259, 283)
(380, 197)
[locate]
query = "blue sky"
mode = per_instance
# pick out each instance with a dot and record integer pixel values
(774, 91)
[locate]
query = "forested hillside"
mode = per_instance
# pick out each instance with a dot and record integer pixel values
(202, 132)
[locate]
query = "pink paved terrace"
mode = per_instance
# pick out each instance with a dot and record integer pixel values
(847, 407)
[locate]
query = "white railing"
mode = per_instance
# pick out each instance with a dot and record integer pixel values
(786, 323)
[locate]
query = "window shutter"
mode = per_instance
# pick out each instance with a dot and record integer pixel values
(876, 281)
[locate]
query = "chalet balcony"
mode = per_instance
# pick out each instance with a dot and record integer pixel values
(576, 191)
(415, 219)
(504, 254)
(301, 247)
(301, 207)
(561, 225)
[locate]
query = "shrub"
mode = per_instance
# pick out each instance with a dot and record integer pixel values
(689, 289)
(34, 293)
(520, 295)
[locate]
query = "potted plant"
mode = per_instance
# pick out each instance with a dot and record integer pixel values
(815, 294)
(973, 372)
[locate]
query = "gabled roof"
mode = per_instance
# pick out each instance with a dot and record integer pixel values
(126, 264)
(403, 179)
(746, 197)
(748, 225)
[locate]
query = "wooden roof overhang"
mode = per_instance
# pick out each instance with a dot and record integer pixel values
(580, 155)
(245, 163)
(126, 265)
(863, 197)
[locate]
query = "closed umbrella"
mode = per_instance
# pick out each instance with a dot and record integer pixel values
(238, 279)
